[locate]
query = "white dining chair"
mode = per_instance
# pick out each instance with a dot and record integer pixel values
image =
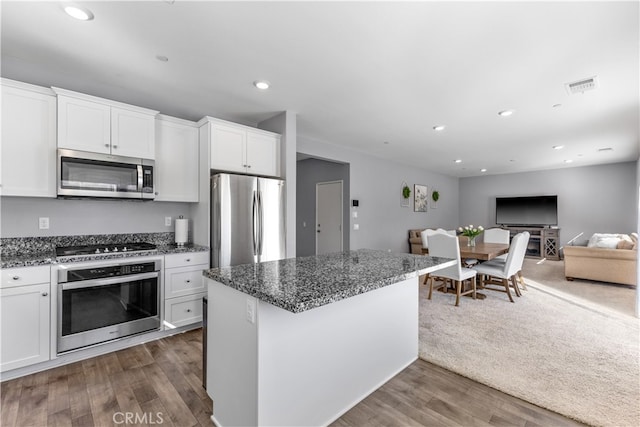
(447, 246)
(520, 261)
(497, 235)
(499, 273)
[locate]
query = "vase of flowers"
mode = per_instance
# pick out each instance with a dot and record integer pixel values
(471, 232)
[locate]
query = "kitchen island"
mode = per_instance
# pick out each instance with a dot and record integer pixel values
(300, 341)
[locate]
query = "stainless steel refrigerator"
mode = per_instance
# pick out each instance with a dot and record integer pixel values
(247, 219)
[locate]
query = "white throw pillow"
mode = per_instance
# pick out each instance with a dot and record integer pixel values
(608, 242)
(597, 237)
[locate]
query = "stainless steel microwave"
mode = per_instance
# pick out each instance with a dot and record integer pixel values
(84, 174)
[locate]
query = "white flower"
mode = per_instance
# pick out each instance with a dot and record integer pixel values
(470, 225)
(460, 229)
(475, 230)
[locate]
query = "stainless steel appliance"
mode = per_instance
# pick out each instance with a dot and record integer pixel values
(101, 301)
(83, 174)
(247, 220)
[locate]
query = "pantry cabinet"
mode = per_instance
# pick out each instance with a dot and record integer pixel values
(28, 153)
(98, 125)
(184, 287)
(243, 149)
(24, 311)
(176, 163)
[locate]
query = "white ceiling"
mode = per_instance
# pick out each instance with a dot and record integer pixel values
(360, 74)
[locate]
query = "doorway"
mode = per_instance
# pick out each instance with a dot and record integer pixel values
(328, 217)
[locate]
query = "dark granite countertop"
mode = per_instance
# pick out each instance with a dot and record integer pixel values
(48, 257)
(300, 284)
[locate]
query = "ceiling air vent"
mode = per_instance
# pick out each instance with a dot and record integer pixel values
(582, 86)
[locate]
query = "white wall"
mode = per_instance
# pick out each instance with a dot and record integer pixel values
(638, 231)
(590, 199)
(78, 217)
(377, 184)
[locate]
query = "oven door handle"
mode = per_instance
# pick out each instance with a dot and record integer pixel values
(105, 282)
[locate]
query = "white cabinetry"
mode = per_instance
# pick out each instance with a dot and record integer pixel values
(238, 148)
(97, 125)
(184, 287)
(176, 164)
(28, 140)
(24, 311)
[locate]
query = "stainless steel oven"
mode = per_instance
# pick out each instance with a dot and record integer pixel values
(105, 301)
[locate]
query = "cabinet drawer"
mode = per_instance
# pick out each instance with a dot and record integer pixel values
(184, 281)
(25, 276)
(184, 310)
(185, 259)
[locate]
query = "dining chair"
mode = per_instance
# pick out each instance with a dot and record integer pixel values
(430, 231)
(502, 259)
(447, 246)
(501, 273)
(497, 235)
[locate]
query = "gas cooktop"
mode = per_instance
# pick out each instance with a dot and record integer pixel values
(103, 249)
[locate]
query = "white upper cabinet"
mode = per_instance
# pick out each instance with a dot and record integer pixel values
(97, 125)
(239, 148)
(176, 165)
(28, 153)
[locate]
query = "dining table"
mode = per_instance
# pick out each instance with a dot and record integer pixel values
(481, 251)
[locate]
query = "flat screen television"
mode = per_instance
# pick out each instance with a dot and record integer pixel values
(537, 211)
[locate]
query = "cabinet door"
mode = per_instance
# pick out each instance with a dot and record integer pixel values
(84, 125)
(24, 324)
(176, 167)
(228, 148)
(262, 154)
(28, 143)
(183, 311)
(132, 133)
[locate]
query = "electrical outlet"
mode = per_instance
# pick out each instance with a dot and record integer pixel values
(251, 311)
(167, 221)
(43, 223)
(355, 214)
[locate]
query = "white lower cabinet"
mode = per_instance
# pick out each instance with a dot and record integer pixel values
(184, 287)
(24, 317)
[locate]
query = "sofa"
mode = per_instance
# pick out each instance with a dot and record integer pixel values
(604, 259)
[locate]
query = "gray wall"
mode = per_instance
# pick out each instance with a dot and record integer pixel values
(77, 217)
(309, 173)
(590, 199)
(638, 230)
(377, 184)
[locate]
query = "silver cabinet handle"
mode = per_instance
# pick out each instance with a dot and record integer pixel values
(188, 310)
(114, 146)
(249, 166)
(187, 281)
(44, 294)
(106, 145)
(16, 277)
(188, 260)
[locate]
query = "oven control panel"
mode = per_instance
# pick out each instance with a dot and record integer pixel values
(107, 271)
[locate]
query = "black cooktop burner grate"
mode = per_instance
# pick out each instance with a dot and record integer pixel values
(110, 248)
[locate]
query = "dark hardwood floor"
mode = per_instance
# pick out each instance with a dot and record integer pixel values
(159, 383)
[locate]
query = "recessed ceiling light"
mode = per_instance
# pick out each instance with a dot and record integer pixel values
(438, 128)
(505, 113)
(483, 170)
(162, 58)
(558, 147)
(568, 161)
(261, 84)
(78, 12)
(458, 161)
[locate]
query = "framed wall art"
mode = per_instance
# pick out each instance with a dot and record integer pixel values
(420, 198)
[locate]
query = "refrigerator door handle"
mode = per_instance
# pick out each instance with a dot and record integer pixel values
(255, 224)
(260, 223)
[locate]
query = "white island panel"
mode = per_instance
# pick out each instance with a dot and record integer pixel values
(308, 368)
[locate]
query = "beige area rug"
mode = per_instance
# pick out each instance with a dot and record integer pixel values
(552, 349)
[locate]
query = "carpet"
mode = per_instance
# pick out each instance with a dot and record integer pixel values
(552, 349)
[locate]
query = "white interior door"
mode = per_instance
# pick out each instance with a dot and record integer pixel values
(328, 217)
